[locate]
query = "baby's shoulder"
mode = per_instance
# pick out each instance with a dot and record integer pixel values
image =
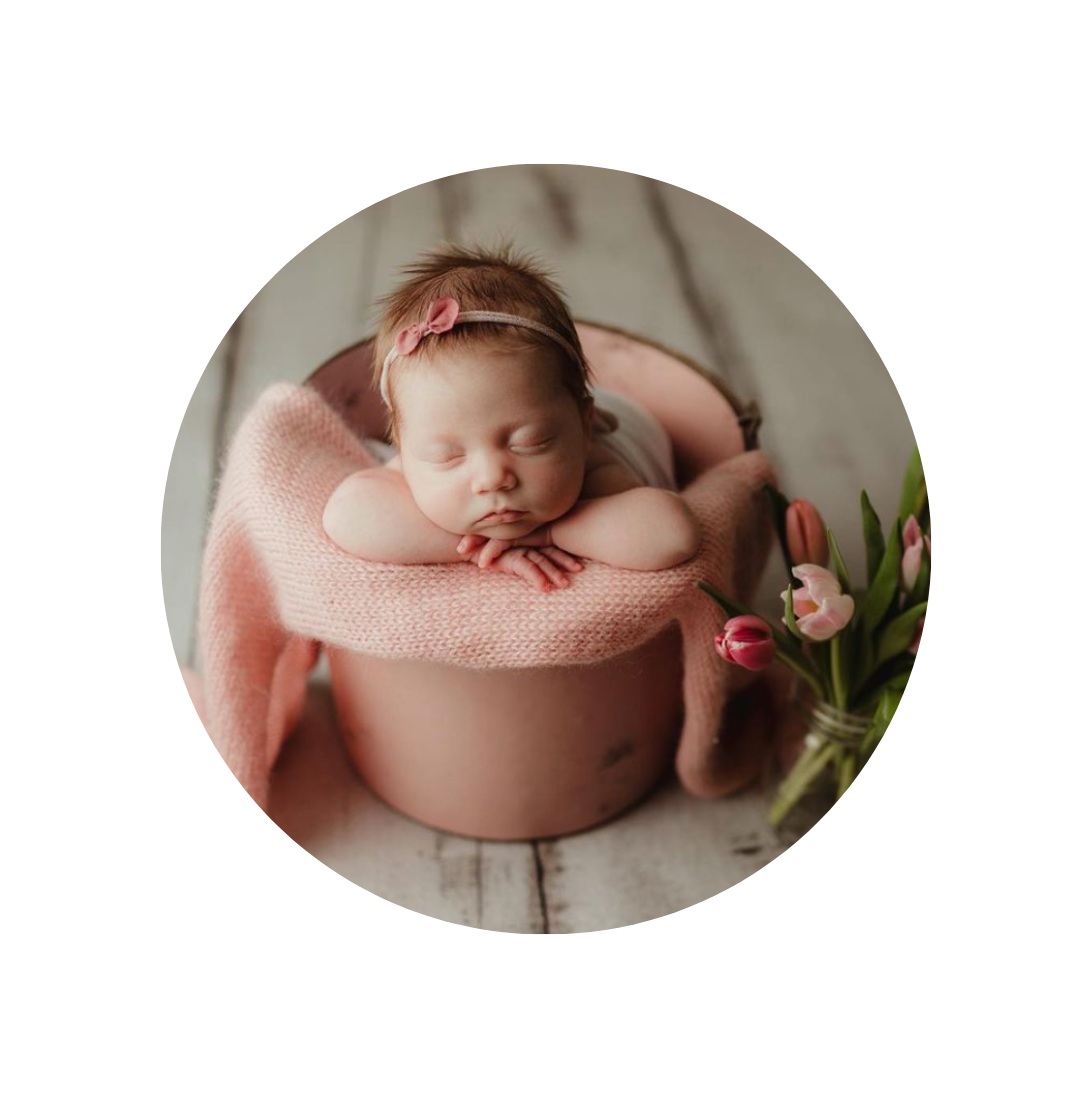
(606, 474)
(600, 455)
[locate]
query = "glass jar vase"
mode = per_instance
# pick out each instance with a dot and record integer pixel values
(830, 760)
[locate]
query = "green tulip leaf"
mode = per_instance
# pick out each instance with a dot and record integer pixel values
(913, 488)
(822, 654)
(921, 503)
(778, 502)
(873, 536)
(900, 682)
(881, 721)
(864, 659)
(851, 643)
(898, 633)
(846, 769)
(838, 561)
(790, 614)
(921, 585)
(882, 589)
(733, 609)
(891, 673)
(839, 669)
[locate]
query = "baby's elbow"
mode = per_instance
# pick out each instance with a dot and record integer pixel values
(335, 518)
(689, 541)
(683, 538)
(341, 518)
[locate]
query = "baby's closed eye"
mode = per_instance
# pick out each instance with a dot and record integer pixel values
(523, 448)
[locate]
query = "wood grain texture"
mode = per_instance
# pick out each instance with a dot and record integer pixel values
(669, 852)
(833, 422)
(631, 252)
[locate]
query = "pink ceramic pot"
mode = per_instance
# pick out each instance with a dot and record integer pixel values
(531, 752)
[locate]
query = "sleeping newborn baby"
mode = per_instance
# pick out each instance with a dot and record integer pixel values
(502, 457)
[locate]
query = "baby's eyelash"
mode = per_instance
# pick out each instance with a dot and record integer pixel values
(529, 446)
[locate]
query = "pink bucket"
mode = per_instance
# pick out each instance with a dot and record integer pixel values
(531, 753)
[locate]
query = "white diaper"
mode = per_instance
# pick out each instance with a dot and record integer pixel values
(381, 451)
(640, 441)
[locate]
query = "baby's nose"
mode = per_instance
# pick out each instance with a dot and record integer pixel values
(496, 480)
(493, 474)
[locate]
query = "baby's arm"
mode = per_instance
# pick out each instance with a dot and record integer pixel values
(373, 515)
(620, 522)
(617, 521)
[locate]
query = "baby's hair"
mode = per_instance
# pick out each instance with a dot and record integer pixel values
(500, 279)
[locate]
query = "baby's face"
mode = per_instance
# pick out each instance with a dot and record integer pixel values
(491, 442)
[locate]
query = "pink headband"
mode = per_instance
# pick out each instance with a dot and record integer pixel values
(443, 315)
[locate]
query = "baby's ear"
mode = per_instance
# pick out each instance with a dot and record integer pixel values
(602, 421)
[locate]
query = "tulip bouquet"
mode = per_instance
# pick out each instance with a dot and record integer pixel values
(853, 649)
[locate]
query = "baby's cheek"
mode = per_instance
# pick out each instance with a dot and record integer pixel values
(576, 485)
(439, 505)
(565, 486)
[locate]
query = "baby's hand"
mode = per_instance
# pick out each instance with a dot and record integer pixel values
(540, 568)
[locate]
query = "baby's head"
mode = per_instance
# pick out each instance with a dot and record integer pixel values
(487, 416)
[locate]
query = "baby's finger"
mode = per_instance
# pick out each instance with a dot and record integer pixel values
(528, 571)
(487, 554)
(566, 560)
(490, 551)
(554, 574)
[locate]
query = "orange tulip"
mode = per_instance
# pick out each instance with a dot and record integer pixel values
(806, 534)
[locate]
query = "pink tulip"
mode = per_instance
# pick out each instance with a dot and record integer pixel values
(820, 608)
(912, 544)
(917, 635)
(806, 534)
(748, 641)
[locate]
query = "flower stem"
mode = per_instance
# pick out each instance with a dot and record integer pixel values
(809, 767)
(804, 672)
(846, 768)
(837, 672)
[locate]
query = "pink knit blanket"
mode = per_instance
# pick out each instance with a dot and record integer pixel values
(274, 587)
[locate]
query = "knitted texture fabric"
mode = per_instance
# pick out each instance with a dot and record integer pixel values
(274, 586)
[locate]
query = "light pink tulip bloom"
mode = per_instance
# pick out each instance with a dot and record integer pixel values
(806, 534)
(820, 608)
(912, 544)
(748, 641)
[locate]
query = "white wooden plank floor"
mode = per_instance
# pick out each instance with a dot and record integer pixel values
(632, 252)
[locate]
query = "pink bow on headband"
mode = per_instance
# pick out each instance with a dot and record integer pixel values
(442, 314)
